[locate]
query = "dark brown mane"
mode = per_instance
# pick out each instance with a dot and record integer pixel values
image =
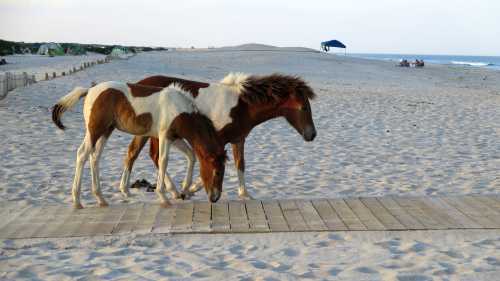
(189, 86)
(274, 88)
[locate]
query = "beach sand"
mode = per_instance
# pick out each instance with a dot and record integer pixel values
(382, 130)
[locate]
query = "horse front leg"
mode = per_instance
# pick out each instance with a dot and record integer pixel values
(154, 154)
(183, 147)
(239, 161)
(164, 148)
(134, 148)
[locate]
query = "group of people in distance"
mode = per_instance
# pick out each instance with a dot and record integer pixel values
(406, 63)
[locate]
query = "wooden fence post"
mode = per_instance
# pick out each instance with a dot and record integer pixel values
(25, 79)
(46, 76)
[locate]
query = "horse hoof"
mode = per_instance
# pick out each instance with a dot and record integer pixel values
(246, 196)
(103, 204)
(177, 196)
(183, 196)
(78, 206)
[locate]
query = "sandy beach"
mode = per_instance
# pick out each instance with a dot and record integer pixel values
(382, 130)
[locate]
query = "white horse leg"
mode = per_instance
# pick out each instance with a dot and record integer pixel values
(191, 160)
(239, 162)
(170, 186)
(164, 147)
(81, 157)
(242, 190)
(94, 170)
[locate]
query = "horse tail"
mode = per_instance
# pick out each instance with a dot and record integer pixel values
(65, 103)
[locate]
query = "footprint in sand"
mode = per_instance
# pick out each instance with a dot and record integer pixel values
(290, 252)
(413, 278)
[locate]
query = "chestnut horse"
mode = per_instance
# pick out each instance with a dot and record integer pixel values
(236, 105)
(167, 114)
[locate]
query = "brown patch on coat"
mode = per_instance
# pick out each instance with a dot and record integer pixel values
(141, 91)
(113, 110)
(193, 87)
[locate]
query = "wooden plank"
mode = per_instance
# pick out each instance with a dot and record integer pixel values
(275, 217)
(47, 217)
(14, 227)
(364, 214)
(310, 215)
(482, 208)
(256, 216)
(53, 226)
(220, 217)
(10, 212)
(382, 214)
(238, 217)
(293, 216)
(95, 221)
(109, 220)
(328, 215)
(347, 215)
(470, 212)
(147, 218)
(183, 218)
(164, 219)
(489, 201)
(28, 226)
(129, 219)
(422, 216)
(402, 215)
(430, 210)
(202, 216)
(452, 213)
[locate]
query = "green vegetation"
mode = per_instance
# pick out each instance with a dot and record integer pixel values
(10, 48)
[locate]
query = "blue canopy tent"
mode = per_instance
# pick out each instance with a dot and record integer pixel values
(325, 46)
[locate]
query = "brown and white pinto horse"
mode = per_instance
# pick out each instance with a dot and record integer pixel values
(236, 105)
(167, 114)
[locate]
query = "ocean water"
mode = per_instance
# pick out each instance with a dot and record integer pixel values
(471, 61)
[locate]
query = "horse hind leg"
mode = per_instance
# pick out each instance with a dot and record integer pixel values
(81, 158)
(134, 149)
(94, 170)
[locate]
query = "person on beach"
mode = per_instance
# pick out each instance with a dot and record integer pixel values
(404, 63)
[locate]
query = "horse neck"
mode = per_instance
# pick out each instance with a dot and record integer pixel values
(194, 130)
(245, 118)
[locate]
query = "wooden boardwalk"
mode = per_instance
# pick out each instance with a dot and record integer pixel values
(348, 214)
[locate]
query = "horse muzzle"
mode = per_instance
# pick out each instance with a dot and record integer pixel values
(309, 134)
(214, 196)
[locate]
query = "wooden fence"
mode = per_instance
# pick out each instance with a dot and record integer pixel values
(10, 81)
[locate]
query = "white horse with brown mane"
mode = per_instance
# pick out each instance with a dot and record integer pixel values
(168, 114)
(235, 106)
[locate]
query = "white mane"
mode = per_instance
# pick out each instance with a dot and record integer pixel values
(235, 79)
(184, 94)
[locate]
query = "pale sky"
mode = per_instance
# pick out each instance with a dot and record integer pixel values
(370, 26)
